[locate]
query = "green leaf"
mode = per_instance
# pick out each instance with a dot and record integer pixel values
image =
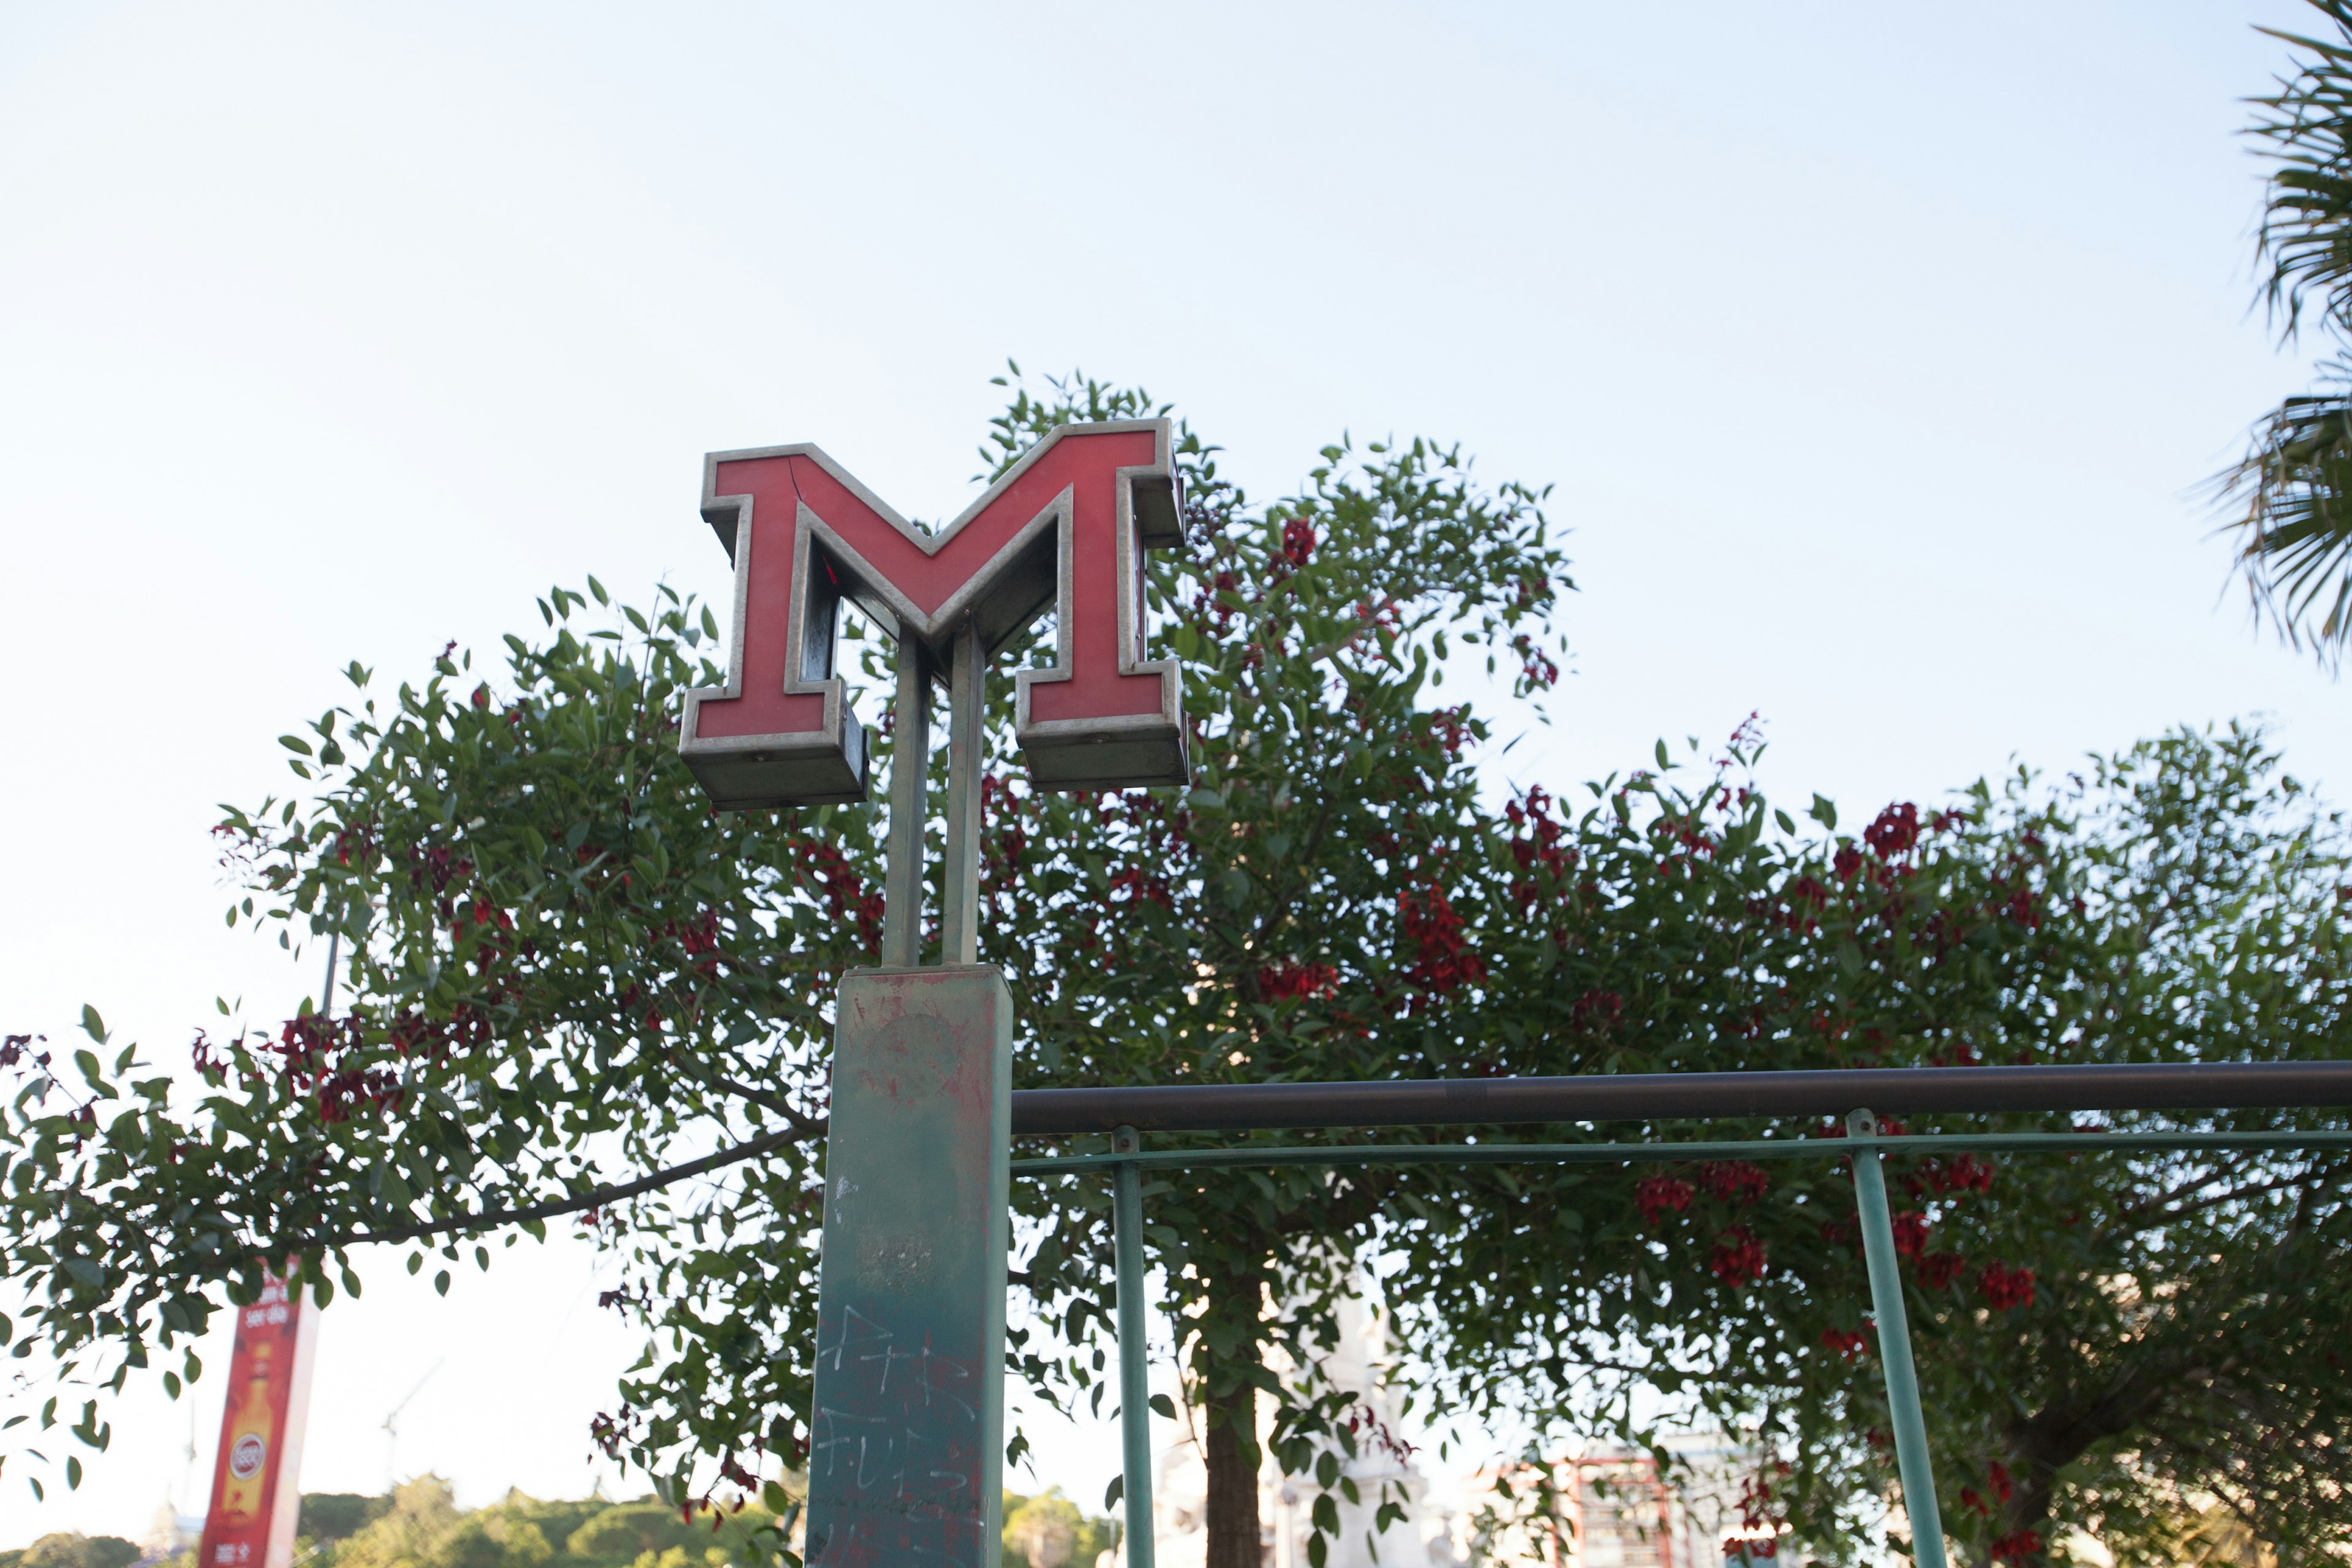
(93, 1024)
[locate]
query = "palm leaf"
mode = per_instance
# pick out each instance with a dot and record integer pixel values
(2292, 492)
(2306, 234)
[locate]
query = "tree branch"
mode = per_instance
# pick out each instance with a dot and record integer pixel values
(2307, 1179)
(808, 1126)
(595, 1197)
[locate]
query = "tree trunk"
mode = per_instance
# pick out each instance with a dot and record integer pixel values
(1231, 1399)
(2056, 1437)
(1232, 1522)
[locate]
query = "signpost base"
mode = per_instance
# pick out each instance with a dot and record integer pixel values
(905, 1466)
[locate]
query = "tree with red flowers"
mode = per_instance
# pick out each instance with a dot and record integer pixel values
(2098, 1336)
(571, 994)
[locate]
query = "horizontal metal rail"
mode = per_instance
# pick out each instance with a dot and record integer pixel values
(1638, 1153)
(1487, 1102)
(1629, 1097)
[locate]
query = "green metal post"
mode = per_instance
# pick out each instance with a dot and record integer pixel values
(1134, 1380)
(1895, 1347)
(907, 1444)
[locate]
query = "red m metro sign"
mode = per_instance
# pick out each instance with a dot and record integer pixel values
(1064, 529)
(906, 1441)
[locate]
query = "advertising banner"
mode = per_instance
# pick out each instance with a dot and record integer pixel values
(257, 1475)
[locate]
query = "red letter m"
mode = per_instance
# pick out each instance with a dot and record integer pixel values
(1065, 529)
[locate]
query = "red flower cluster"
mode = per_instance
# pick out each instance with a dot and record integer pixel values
(1734, 1181)
(438, 865)
(1596, 1010)
(1441, 960)
(1996, 1477)
(1535, 842)
(1536, 667)
(1366, 1423)
(1738, 1258)
(307, 1048)
(698, 938)
(1961, 1174)
(341, 1093)
(1938, 1270)
(1894, 831)
(1655, 1195)
(2004, 1288)
(1848, 1344)
(609, 1432)
(1002, 850)
(1141, 888)
(1449, 727)
(844, 890)
(1910, 1234)
(1756, 1511)
(2017, 1547)
(1298, 541)
(1807, 899)
(1279, 981)
(357, 840)
(1210, 612)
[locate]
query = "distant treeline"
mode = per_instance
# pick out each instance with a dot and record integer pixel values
(72, 1549)
(421, 1526)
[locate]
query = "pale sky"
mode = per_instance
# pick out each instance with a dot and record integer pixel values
(1875, 353)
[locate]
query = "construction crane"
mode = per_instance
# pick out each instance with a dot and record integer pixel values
(392, 1428)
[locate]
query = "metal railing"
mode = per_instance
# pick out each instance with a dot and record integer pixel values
(1860, 1095)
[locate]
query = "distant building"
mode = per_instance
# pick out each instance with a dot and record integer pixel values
(1608, 1508)
(1611, 1507)
(169, 1533)
(1424, 1538)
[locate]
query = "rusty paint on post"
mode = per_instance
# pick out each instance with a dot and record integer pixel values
(906, 1466)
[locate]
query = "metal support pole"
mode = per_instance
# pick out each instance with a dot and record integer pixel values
(910, 759)
(1134, 1380)
(335, 952)
(1895, 1346)
(966, 761)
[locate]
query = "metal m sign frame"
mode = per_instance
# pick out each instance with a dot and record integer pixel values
(906, 1432)
(1063, 530)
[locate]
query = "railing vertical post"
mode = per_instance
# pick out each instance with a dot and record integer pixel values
(1134, 1378)
(1895, 1346)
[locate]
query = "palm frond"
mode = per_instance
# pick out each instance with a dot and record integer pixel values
(2307, 233)
(2289, 499)
(2292, 496)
